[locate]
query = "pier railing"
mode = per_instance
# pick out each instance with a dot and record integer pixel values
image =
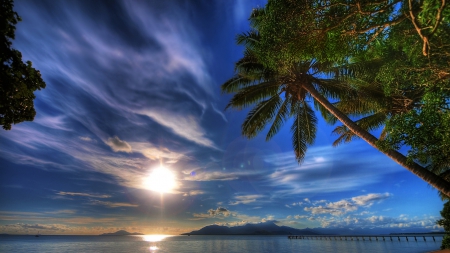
(368, 237)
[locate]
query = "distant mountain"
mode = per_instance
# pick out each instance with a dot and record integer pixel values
(122, 232)
(270, 228)
(263, 228)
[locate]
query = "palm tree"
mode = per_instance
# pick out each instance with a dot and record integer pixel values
(375, 109)
(280, 95)
(372, 106)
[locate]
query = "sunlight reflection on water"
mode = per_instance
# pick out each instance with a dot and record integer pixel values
(154, 238)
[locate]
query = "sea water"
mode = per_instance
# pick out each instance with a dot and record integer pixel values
(204, 244)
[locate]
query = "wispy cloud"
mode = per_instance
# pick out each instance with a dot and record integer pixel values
(186, 126)
(328, 169)
(152, 107)
(344, 206)
(370, 199)
(84, 194)
(112, 204)
(217, 175)
(194, 192)
(246, 199)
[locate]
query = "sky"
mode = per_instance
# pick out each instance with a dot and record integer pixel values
(133, 86)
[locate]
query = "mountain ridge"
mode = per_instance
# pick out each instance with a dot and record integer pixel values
(121, 233)
(263, 228)
(270, 228)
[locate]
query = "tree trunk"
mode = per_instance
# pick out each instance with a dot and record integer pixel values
(429, 177)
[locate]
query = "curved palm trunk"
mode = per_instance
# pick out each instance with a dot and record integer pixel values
(429, 177)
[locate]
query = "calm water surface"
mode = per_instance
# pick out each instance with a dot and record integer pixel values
(204, 244)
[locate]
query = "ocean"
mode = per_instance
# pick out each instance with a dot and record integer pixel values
(205, 244)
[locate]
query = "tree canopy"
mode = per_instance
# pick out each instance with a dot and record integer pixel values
(394, 54)
(18, 80)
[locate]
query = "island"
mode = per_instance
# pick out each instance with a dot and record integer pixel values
(263, 228)
(271, 228)
(121, 233)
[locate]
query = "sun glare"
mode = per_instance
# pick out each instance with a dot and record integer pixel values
(154, 238)
(161, 180)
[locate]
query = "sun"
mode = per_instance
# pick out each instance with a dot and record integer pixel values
(161, 180)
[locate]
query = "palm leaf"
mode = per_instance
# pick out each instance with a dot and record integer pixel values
(248, 39)
(369, 123)
(258, 117)
(253, 94)
(303, 129)
(279, 120)
(326, 115)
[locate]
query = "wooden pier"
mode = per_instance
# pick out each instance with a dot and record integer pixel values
(368, 237)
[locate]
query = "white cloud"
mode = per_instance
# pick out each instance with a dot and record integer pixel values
(193, 193)
(426, 222)
(85, 138)
(297, 217)
(220, 212)
(186, 126)
(162, 154)
(345, 206)
(246, 199)
(369, 199)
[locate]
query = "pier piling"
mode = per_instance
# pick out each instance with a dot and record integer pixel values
(357, 237)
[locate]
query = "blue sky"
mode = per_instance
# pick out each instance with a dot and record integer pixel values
(135, 85)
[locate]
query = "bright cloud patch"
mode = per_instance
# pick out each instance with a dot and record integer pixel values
(344, 206)
(118, 145)
(369, 199)
(184, 126)
(220, 212)
(246, 199)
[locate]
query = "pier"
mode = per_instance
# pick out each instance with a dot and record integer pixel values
(407, 238)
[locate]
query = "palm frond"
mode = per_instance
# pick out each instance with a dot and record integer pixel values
(249, 64)
(358, 68)
(303, 129)
(369, 123)
(360, 107)
(326, 115)
(248, 39)
(383, 134)
(259, 116)
(323, 67)
(255, 17)
(236, 83)
(345, 135)
(334, 89)
(372, 122)
(253, 94)
(279, 120)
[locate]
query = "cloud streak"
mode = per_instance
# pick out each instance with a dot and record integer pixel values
(103, 196)
(327, 169)
(344, 206)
